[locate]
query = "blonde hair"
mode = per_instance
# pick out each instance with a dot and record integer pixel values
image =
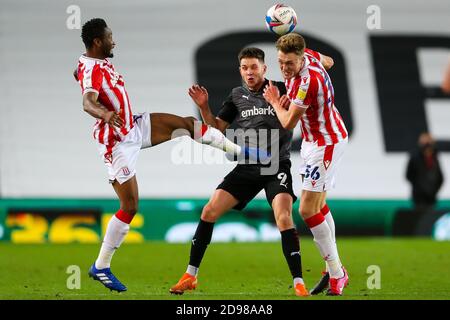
(291, 42)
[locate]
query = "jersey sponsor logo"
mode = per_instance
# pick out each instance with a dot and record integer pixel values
(258, 111)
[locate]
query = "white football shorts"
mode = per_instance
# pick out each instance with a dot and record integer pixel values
(319, 165)
(121, 164)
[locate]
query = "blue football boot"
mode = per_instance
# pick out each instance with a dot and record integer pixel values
(106, 278)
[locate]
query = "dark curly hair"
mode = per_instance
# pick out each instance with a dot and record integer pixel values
(94, 28)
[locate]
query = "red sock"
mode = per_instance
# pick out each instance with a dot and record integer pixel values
(325, 210)
(204, 129)
(315, 220)
(124, 217)
(199, 130)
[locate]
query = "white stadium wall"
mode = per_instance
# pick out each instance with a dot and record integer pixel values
(46, 146)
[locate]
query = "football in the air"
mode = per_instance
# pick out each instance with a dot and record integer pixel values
(281, 19)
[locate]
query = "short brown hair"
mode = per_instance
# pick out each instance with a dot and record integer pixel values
(251, 52)
(291, 42)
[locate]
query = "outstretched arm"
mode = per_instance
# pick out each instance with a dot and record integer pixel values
(200, 96)
(326, 61)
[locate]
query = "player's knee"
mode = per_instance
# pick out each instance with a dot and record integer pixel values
(306, 211)
(210, 213)
(309, 206)
(131, 210)
(130, 206)
(284, 220)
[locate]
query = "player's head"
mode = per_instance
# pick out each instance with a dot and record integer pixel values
(98, 37)
(252, 67)
(291, 48)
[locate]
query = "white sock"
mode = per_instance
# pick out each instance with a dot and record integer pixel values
(330, 221)
(193, 271)
(214, 138)
(327, 248)
(298, 280)
(115, 234)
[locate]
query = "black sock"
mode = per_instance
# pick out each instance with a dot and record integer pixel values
(200, 242)
(291, 250)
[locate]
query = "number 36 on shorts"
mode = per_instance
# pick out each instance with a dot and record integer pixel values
(312, 172)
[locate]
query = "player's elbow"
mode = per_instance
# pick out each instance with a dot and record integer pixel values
(329, 63)
(75, 74)
(86, 107)
(294, 115)
(289, 125)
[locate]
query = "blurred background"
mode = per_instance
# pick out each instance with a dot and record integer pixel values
(391, 60)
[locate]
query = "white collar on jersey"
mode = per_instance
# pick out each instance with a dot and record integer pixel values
(306, 63)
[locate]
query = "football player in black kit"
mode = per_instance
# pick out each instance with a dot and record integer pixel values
(247, 106)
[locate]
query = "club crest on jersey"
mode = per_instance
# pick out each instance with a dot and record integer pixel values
(304, 83)
(125, 171)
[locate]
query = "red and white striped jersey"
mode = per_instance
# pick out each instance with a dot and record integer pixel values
(312, 87)
(99, 76)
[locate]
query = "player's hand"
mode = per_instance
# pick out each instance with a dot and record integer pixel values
(285, 102)
(271, 94)
(113, 119)
(199, 95)
(75, 74)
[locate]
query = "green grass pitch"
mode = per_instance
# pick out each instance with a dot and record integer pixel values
(410, 269)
